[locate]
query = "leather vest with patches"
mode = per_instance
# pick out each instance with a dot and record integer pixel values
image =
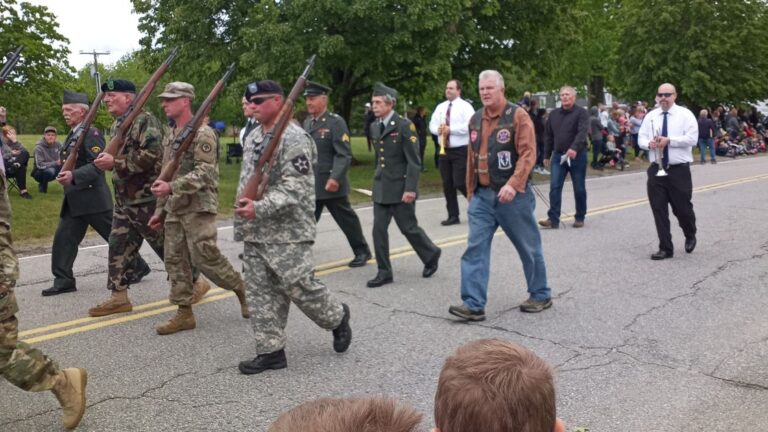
(502, 154)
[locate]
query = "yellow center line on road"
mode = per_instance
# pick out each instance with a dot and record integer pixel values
(81, 325)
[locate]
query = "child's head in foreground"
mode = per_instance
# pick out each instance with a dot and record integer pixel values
(491, 385)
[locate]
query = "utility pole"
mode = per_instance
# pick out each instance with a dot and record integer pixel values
(95, 67)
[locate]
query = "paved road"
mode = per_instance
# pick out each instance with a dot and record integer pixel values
(677, 345)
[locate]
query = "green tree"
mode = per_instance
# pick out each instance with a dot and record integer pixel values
(33, 93)
(712, 51)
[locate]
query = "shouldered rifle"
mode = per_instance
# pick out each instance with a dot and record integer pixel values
(77, 138)
(184, 139)
(8, 67)
(257, 184)
(124, 122)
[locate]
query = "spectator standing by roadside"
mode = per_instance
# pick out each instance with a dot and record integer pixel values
(596, 135)
(47, 159)
(537, 116)
(706, 137)
(420, 121)
(634, 128)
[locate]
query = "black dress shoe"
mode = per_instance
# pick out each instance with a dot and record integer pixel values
(52, 291)
(380, 279)
(137, 275)
(452, 220)
(342, 335)
(431, 267)
(660, 255)
(360, 260)
(275, 360)
(690, 244)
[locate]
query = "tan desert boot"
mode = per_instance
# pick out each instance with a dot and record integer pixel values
(200, 289)
(70, 391)
(240, 293)
(117, 303)
(183, 320)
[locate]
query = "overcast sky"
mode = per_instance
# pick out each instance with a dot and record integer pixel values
(101, 25)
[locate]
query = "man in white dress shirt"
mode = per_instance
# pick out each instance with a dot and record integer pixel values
(670, 132)
(451, 118)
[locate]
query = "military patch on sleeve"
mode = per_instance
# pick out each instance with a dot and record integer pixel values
(206, 148)
(413, 127)
(414, 139)
(301, 163)
(95, 150)
(345, 138)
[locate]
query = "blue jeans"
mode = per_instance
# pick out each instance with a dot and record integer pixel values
(703, 143)
(516, 218)
(578, 170)
(45, 175)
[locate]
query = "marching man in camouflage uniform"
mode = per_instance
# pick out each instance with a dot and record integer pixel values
(334, 155)
(188, 205)
(21, 365)
(135, 169)
(278, 232)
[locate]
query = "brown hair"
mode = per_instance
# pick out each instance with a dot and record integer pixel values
(348, 415)
(493, 385)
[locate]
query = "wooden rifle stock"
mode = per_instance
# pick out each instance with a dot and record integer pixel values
(77, 138)
(187, 135)
(256, 186)
(124, 122)
(10, 64)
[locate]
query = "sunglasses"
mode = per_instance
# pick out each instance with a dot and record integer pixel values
(259, 101)
(664, 94)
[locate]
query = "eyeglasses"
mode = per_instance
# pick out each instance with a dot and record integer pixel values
(664, 94)
(259, 101)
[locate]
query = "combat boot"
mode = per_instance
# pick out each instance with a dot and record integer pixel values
(183, 320)
(200, 289)
(240, 293)
(117, 303)
(70, 391)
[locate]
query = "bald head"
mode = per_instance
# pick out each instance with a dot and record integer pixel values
(666, 95)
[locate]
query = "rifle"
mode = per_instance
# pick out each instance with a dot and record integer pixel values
(8, 67)
(77, 138)
(187, 135)
(124, 122)
(257, 184)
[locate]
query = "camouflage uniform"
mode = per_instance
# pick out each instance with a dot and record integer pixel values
(190, 219)
(20, 364)
(278, 263)
(133, 174)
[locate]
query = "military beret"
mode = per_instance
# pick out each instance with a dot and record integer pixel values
(178, 89)
(49, 129)
(118, 85)
(71, 97)
(262, 88)
(379, 89)
(316, 89)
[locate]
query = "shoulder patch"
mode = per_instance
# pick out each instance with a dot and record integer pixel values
(414, 139)
(206, 148)
(413, 127)
(95, 150)
(345, 138)
(301, 164)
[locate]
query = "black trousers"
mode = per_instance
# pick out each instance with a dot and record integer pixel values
(405, 218)
(675, 190)
(18, 172)
(346, 219)
(69, 234)
(453, 170)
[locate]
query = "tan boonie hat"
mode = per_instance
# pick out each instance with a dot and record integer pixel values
(178, 89)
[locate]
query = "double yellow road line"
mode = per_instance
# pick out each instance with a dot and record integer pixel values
(82, 325)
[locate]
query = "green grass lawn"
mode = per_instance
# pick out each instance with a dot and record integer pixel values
(35, 220)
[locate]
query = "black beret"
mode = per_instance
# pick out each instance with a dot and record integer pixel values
(71, 97)
(261, 88)
(118, 85)
(379, 89)
(316, 89)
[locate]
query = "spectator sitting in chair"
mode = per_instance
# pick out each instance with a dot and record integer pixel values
(47, 159)
(16, 158)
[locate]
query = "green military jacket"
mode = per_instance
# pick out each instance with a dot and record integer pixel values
(334, 153)
(9, 265)
(140, 162)
(397, 160)
(286, 214)
(195, 189)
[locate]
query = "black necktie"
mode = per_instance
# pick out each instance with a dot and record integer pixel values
(312, 124)
(665, 157)
(381, 128)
